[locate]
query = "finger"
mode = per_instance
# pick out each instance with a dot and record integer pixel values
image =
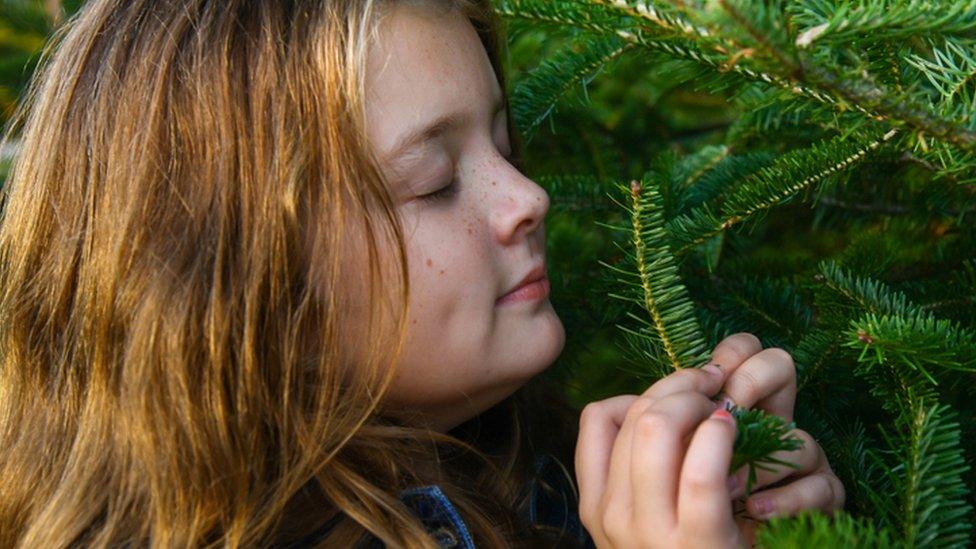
(808, 458)
(766, 380)
(726, 357)
(707, 380)
(600, 424)
(822, 491)
(703, 496)
(657, 451)
(734, 350)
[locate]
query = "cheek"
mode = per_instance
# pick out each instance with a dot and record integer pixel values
(446, 259)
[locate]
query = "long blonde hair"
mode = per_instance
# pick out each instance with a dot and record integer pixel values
(171, 268)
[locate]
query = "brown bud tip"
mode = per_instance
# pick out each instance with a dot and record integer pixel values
(635, 187)
(864, 337)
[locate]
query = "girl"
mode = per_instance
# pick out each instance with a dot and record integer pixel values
(263, 268)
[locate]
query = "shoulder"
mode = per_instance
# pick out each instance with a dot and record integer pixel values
(551, 505)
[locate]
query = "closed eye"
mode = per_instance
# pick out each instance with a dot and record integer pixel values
(441, 194)
(448, 191)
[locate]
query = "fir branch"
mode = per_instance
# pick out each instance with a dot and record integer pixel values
(587, 16)
(800, 169)
(812, 355)
(842, 92)
(663, 36)
(771, 186)
(919, 341)
(662, 17)
(933, 510)
(763, 305)
(812, 528)
(882, 104)
(535, 96)
(693, 166)
(842, 304)
(863, 294)
(671, 323)
(758, 436)
(765, 30)
(863, 94)
(926, 473)
(721, 177)
(868, 21)
(949, 72)
(671, 337)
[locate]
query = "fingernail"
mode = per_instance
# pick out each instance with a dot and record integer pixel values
(763, 506)
(726, 402)
(713, 368)
(722, 413)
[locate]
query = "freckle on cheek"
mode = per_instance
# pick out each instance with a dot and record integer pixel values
(442, 271)
(429, 262)
(493, 183)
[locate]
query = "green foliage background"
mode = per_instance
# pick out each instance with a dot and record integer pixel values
(804, 171)
(809, 168)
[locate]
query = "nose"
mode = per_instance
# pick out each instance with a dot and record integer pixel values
(520, 204)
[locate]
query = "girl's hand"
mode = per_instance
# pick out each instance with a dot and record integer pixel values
(766, 379)
(653, 469)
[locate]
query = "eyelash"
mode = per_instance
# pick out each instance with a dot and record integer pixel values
(450, 190)
(441, 194)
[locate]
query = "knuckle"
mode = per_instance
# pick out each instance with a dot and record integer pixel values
(640, 405)
(587, 513)
(697, 484)
(615, 523)
(650, 423)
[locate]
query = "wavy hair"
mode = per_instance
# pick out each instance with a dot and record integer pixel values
(174, 366)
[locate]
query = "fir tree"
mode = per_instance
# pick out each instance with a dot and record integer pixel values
(800, 169)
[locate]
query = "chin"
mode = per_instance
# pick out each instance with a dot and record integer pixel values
(551, 341)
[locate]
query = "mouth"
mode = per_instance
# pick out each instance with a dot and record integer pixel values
(534, 285)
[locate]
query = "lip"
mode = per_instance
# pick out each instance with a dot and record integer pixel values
(535, 280)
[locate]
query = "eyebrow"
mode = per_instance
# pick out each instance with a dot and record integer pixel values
(419, 136)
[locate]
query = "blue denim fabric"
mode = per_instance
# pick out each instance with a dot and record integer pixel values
(438, 515)
(552, 505)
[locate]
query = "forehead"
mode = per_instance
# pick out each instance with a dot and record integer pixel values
(426, 63)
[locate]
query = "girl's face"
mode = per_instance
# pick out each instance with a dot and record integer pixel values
(476, 239)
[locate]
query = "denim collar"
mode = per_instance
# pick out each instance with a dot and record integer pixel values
(551, 506)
